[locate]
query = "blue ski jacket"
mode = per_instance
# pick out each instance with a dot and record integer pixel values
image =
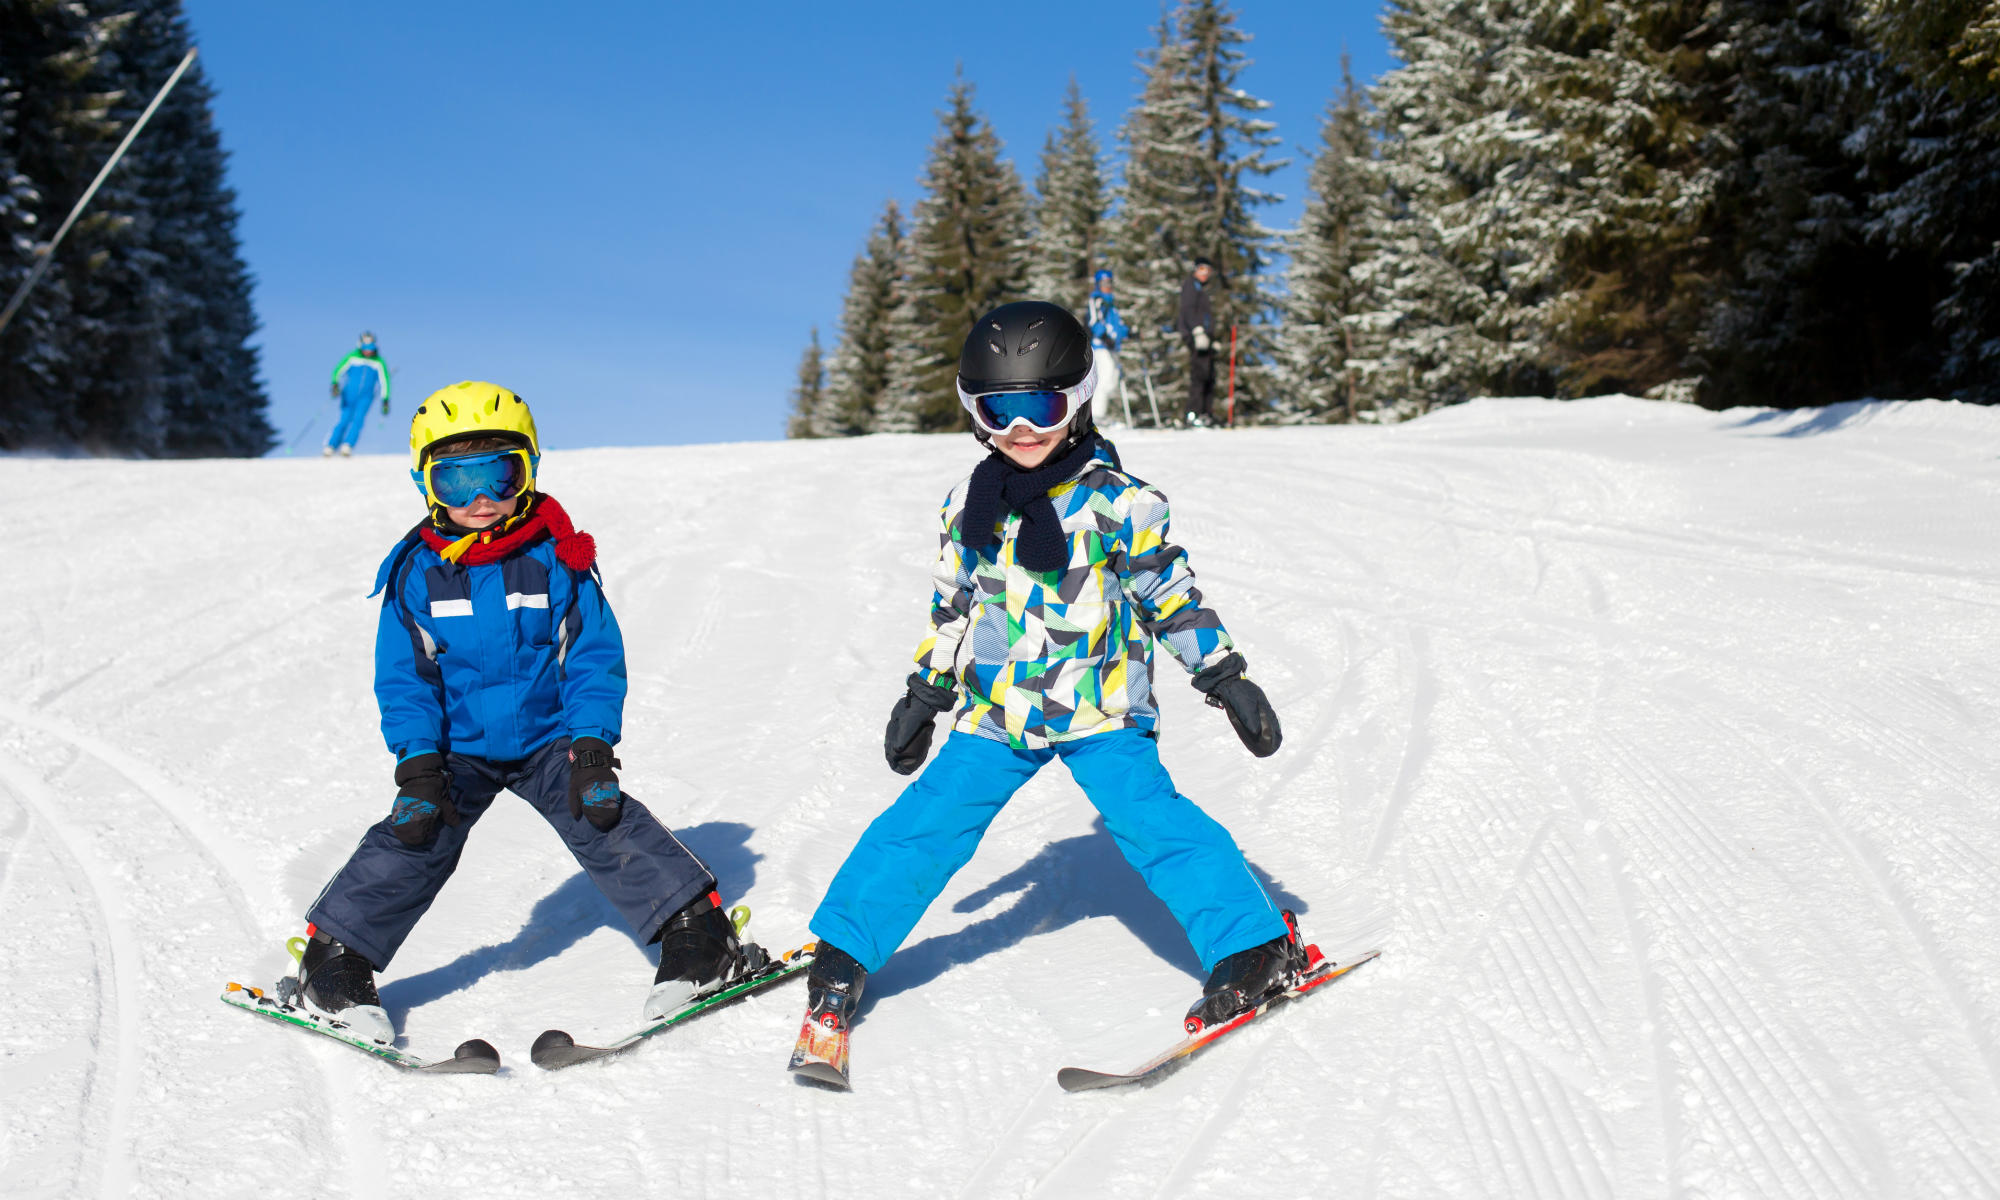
(497, 652)
(1107, 328)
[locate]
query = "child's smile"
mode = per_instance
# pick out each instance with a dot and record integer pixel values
(1027, 449)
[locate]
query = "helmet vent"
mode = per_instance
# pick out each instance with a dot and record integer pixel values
(1030, 346)
(996, 346)
(1037, 323)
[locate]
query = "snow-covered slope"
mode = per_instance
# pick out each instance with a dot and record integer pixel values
(1657, 746)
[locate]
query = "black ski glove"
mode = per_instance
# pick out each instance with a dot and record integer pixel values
(908, 741)
(593, 785)
(1244, 701)
(422, 799)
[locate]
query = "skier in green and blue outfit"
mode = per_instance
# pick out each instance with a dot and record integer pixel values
(359, 379)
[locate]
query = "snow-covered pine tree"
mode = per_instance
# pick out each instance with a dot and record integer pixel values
(809, 393)
(966, 253)
(1316, 367)
(1812, 306)
(859, 370)
(1194, 146)
(50, 56)
(136, 340)
(1546, 176)
(1069, 211)
(200, 303)
(1945, 207)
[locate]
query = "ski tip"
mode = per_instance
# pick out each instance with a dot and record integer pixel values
(476, 1048)
(1078, 1079)
(551, 1039)
(822, 1074)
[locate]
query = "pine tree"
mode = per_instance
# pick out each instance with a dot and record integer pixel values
(1193, 147)
(1069, 211)
(966, 253)
(1945, 204)
(809, 395)
(1318, 362)
(1815, 307)
(50, 56)
(860, 368)
(1548, 176)
(214, 405)
(136, 339)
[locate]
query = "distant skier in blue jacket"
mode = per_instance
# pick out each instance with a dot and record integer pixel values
(359, 379)
(498, 664)
(1107, 334)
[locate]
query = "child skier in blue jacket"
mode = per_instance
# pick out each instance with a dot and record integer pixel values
(498, 664)
(1054, 579)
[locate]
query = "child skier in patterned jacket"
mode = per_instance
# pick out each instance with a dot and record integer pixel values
(498, 664)
(1054, 578)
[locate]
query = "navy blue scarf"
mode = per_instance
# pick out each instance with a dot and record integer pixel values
(999, 487)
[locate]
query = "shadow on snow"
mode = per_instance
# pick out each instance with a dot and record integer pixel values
(567, 915)
(1068, 881)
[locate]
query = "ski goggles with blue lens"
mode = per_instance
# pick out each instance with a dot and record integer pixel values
(1043, 410)
(499, 475)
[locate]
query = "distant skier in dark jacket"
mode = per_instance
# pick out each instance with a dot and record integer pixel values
(498, 664)
(1195, 322)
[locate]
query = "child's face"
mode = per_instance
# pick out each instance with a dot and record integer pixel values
(1027, 449)
(483, 511)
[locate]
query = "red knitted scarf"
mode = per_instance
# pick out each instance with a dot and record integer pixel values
(545, 518)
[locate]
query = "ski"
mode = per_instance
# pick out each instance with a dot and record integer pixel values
(821, 1053)
(1322, 971)
(474, 1057)
(556, 1049)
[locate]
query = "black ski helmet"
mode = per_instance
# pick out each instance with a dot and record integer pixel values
(1029, 345)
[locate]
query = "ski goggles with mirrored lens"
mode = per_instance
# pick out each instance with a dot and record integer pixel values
(499, 475)
(1044, 410)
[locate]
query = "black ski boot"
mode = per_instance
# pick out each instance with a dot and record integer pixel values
(699, 952)
(833, 988)
(336, 984)
(1247, 978)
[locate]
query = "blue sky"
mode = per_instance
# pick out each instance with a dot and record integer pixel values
(635, 219)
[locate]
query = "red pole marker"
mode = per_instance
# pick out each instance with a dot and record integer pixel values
(1232, 376)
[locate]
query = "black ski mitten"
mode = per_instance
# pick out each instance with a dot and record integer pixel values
(908, 740)
(423, 798)
(593, 784)
(1244, 702)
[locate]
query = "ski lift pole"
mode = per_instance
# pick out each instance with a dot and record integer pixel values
(1232, 376)
(1146, 369)
(48, 252)
(1124, 393)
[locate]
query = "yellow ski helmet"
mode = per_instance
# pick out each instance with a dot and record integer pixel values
(471, 410)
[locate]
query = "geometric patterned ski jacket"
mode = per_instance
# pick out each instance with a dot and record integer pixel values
(1056, 656)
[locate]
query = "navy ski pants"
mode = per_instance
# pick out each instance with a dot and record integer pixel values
(374, 901)
(912, 850)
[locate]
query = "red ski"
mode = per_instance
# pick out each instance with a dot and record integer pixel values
(1319, 972)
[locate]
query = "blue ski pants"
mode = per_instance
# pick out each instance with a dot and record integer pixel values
(353, 408)
(374, 901)
(909, 852)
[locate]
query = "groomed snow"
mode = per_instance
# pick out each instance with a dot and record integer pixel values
(1657, 746)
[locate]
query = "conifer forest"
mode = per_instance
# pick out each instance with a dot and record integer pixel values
(1722, 202)
(136, 340)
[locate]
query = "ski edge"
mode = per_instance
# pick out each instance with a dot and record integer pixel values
(1085, 1079)
(475, 1056)
(556, 1049)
